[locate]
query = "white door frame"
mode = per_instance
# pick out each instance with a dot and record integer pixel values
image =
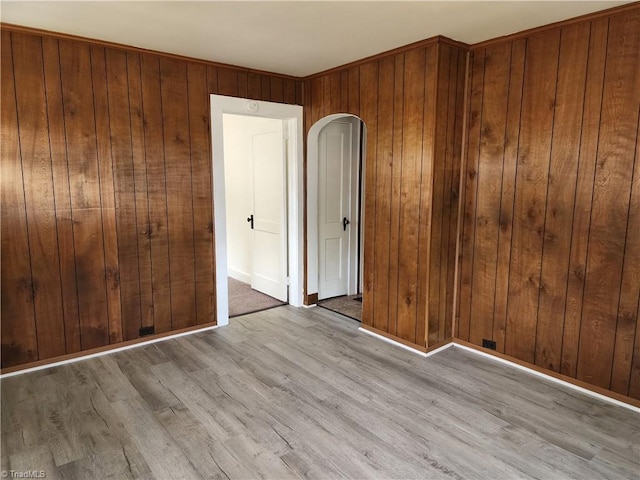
(220, 105)
(312, 196)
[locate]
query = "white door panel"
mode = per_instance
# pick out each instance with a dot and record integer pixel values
(334, 205)
(269, 242)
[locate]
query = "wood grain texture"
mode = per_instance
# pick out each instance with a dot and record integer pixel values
(86, 223)
(584, 196)
(610, 211)
(401, 99)
(64, 221)
(175, 118)
(563, 169)
(107, 193)
(138, 155)
(30, 98)
(396, 183)
(384, 163)
(369, 115)
(19, 334)
(566, 282)
(127, 223)
(157, 194)
(410, 190)
(202, 193)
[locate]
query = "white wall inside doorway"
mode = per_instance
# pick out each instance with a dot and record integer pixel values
(293, 114)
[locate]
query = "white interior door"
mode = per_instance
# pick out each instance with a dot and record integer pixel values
(269, 221)
(334, 208)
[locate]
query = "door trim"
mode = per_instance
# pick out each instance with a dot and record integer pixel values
(221, 104)
(312, 197)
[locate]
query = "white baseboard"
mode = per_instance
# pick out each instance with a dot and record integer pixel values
(238, 275)
(106, 352)
(586, 391)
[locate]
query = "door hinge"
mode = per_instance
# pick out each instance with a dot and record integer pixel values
(288, 279)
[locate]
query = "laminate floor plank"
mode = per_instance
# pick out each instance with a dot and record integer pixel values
(301, 393)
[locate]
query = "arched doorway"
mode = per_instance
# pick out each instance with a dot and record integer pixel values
(335, 173)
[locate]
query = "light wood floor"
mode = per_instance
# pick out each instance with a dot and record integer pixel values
(293, 393)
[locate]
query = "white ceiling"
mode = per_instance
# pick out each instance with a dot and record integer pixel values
(291, 37)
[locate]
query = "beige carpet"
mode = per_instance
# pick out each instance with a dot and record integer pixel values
(243, 300)
(348, 305)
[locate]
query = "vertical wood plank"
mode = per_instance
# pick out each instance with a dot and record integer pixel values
(584, 195)
(318, 96)
(634, 381)
(410, 208)
(138, 146)
(335, 93)
(354, 91)
(254, 89)
(563, 169)
(609, 214)
(227, 81)
(384, 151)
(156, 188)
(435, 159)
(212, 80)
(82, 158)
(299, 93)
(476, 76)
(538, 101)
(396, 183)
(277, 90)
(266, 87)
(19, 337)
(426, 203)
(202, 193)
(107, 194)
(369, 114)
(289, 88)
(507, 195)
(175, 115)
(489, 176)
(243, 83)
(125, 192)
(344, 91)
(64, 223)
(454, 200)
(38, 192)
(627, 322)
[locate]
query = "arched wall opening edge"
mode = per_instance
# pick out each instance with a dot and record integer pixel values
(312, 193)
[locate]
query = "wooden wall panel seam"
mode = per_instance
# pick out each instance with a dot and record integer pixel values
(193, 217)
(461, 197)
(64, 327)
(506, 130)
(104, 254)
(593, 186)
(515, 187)
(31, 287)
(546, 202)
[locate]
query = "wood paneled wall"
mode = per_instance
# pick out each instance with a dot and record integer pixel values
(411, 103)
(106, 191)
(550, 246)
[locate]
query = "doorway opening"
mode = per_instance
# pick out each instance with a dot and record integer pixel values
(266, 138)
(255, 191)
(335, 215)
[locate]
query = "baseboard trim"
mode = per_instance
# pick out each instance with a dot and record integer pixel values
(582, 387)
(591, 390)
(99, 352)
(423, 352)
